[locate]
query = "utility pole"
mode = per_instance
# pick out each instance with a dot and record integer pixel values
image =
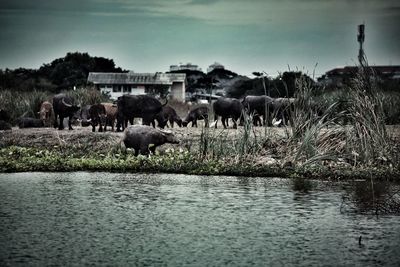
(360, 39)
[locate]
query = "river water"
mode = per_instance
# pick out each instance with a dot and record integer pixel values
(179, 220)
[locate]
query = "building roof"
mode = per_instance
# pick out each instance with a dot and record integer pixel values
(135, 78)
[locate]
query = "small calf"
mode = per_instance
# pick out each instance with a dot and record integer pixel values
(30, 123)
(4, 125)
(198, 113)
(168, 114)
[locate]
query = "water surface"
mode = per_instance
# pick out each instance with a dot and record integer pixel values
(174, 220)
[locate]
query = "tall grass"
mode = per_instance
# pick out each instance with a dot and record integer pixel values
(369, 137)
(22, 104)
(245, 144)
(87, 96)
(346, 125)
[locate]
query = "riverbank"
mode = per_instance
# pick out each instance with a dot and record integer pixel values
(202, 151)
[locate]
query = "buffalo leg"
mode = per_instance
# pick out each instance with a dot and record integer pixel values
(216, 120)
(144, 149)
(224, 120)
(55, 120)
(70, 123)
(61, 125)
(234, 124)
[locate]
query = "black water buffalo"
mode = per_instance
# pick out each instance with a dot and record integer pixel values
(198, 113)
(84, 116)
(111, 111)
(46, 113)
(168, 114)
(4, 125)
(98, 116)
(258, 106)
(137, 106)
(63, 107)
(227, 108)
(143, 138)
(4, 116)
(30, 123)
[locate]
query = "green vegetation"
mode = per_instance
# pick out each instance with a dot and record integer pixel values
(32, 159)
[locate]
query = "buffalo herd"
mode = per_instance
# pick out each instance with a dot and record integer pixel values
(259, 110)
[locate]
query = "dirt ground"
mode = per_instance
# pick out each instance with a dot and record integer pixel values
(81, 136)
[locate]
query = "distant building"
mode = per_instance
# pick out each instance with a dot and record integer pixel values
(214, 66)
(118, 84)
(340, 76)
(187, 66)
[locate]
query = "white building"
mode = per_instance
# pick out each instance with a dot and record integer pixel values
(188, 66)
(118, 84)
(214, 66)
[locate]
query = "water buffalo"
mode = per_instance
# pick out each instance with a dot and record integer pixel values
(4, 125)
(98, 115)
(84, 116)
(198, 113)
(46, 113)
(137, 106)
(168, 114)
(4, 116)
(227, 108)
(144, 138)
(63, 107)
(30, 123)
(111, 111)
(258, 106)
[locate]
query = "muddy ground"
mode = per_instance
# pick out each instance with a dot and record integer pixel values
(83, 137)
(50, 137)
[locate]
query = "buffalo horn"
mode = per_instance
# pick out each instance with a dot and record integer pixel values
(67, 105)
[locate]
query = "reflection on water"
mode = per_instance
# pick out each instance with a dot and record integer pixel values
(137, 219)
(371, 197)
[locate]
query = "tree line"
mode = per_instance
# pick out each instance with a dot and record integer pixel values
(73, 69)
(61, 74)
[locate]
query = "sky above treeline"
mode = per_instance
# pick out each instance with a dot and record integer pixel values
(245, 36)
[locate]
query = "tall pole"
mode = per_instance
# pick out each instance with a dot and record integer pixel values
(360, 39)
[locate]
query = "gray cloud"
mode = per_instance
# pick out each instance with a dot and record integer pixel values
(259, 34)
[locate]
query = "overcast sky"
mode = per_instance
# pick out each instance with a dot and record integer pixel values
(245, 36)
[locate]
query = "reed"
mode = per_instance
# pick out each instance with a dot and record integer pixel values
(21, 104)
(369, 137)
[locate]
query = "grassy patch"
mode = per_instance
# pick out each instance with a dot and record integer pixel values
(21, 159)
